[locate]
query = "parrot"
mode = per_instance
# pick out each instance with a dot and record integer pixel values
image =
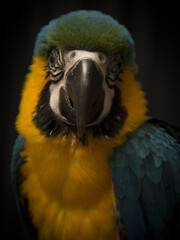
(88, 162)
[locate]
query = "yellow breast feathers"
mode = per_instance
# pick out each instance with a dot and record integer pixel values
(70, 191)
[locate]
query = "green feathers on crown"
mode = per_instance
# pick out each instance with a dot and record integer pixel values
(86, 30)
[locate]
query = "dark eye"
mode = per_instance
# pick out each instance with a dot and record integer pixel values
(53, 58)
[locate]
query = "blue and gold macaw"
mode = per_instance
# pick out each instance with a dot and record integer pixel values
(88, 164)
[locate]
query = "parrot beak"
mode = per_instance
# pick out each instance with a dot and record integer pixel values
(82, 99)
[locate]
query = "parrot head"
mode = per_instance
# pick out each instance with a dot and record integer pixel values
(84, 53)
(81, 90)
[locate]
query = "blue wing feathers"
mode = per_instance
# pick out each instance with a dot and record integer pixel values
(133, 219)
(150, 195)
(152, 172)
(22, 203)
(17, 161)
(133, 186)
(148, 165)
(137, 166)
(17, 148)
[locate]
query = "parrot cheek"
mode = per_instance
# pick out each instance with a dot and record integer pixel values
(108, 100)
(55, 96)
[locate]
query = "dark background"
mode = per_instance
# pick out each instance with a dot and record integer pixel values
(154, 26)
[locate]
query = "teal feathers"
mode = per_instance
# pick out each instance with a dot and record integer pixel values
(86, 30)
(145, 174)
(22, 203)
(17, 160)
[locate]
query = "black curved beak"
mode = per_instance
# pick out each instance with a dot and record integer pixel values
(81, 102)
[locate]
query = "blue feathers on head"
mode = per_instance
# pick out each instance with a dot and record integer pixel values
(86, 30)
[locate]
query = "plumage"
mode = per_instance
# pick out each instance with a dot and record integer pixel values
(158, 197)
(80, 175)
(22, 203)
(109, 35)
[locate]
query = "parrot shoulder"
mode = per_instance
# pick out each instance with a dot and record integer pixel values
(17, 161)
(146, 178)
(172, 130)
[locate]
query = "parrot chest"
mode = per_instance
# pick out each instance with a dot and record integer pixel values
(70, 194)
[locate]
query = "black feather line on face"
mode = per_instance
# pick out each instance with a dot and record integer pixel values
(113, 70)
(45, 119)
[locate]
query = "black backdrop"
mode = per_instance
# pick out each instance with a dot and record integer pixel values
(155, 29)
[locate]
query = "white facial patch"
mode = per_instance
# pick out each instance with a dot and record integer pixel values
(70, 58)
(54, 96)
(109, 96)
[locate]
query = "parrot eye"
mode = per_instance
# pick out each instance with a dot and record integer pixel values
(52, 60)
(56, 65)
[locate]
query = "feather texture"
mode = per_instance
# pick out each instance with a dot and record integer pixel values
(16, 162)
(146, 179)
(86, 30)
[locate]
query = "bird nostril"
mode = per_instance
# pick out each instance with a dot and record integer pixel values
(102, 58)
(73, 54)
